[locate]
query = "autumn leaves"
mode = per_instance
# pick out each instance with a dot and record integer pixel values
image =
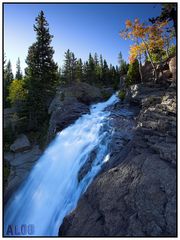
(147, 39)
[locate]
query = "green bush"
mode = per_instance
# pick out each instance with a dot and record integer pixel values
(122, 94)
(133, 75)
(124, 68)
(172, 50)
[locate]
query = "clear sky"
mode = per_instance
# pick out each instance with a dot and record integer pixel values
(82, 28)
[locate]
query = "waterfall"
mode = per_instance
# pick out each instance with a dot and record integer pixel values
(52, 189)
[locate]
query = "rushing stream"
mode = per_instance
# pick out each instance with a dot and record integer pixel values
(52, 188)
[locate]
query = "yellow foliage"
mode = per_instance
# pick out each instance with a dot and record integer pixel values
(17, 91)
(146, 37)
(128, 24)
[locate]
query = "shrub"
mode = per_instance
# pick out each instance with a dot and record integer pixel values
(122, 94)
(133, 75)
(172, 50)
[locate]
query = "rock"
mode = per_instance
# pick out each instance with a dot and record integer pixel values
(164, 76)
(137, 93)
(87, 166)
(107, 92)
(122, 82)
(135, 194)
(63, 117)
(69, 104)
(81, 92)
(129, 200)
(8, 116)
(20, 165)
(20, 144)
(172, 67)
(147, 72)
(167, 151)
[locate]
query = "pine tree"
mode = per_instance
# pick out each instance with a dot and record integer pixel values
(90, 70)
(97, 69)
(85, 71)
(123, 66)
(73, 67)
(101, 67)
(133, 75)
(69, 69)
(67, 66)
(79, 71)
(8, 78)
(105, 73)
(41, 73)
(18, 70)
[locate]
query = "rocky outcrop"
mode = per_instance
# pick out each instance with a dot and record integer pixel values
(172, 67)
(20, 165)
(135, 196)
(9, 114)
(65, 115)
(69, 104)
(20, 144)
(147, 72)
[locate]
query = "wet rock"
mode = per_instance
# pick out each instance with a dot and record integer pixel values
(87, 166)
(132, 199)
(63, 117)
(69, 104)
(20, 165)
(135, 194)
(20, 144)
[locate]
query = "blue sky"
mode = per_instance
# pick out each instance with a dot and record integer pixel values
(82, 28)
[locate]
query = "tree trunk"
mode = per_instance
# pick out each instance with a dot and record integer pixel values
(140, 68)
(154, 68)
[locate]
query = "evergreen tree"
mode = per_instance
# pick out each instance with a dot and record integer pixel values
(41, 73)
(168, 13)
(120, 59)
(123, 66)
(69, 68)
(73, 67)
(85, 71)
(97, 69)
(101, 67)
(18, 70)
(8, 78)
(90, 70)
(96, 61)
(105, 73)
(79, 71)
(133, 75)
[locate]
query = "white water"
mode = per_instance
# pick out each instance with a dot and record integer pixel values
(52, 189)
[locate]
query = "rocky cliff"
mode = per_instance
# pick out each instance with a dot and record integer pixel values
(135, 194)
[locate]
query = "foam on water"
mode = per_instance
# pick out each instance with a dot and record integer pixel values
(52, 189)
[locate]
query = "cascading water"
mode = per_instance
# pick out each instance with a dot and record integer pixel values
(52, 189)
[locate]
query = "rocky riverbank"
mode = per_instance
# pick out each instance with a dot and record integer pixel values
(69, 103)
(135, 194)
